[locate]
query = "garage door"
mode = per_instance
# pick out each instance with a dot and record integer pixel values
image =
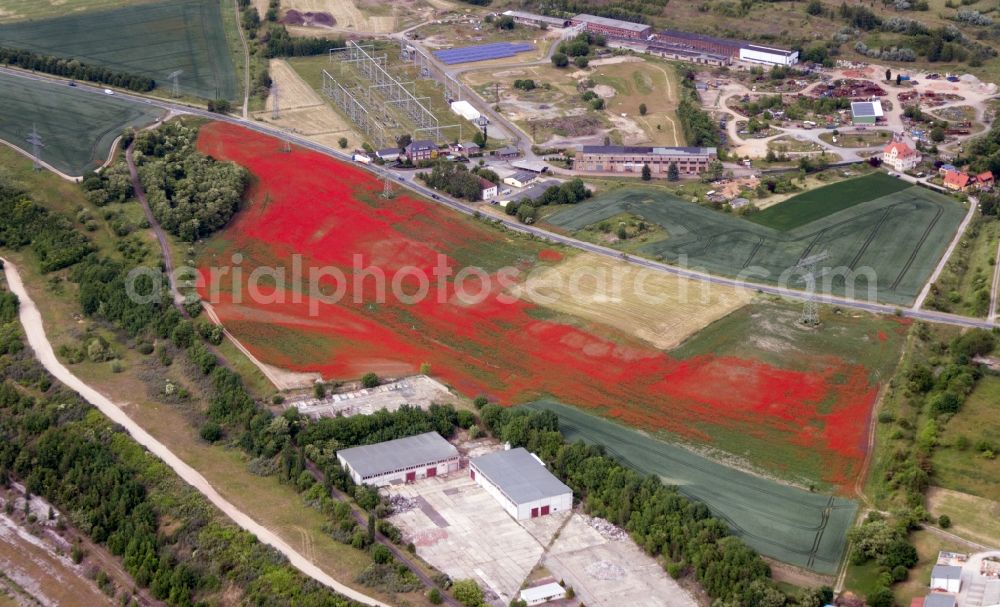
(411, 476)
(534, 513)
(545, 510)
(432, 472)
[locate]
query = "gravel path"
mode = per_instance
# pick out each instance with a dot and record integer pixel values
(39, 342)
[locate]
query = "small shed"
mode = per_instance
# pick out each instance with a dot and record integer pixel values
(939, 600)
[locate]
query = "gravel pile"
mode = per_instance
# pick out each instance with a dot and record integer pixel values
(401, 503)
(607, 530)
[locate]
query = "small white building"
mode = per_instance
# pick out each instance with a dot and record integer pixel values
(465, 110)
(900, 156)
(755, 53)
(538, 595)
(401, 460)
(947, 578)
(388, 154)
(520, 482)
(489, 189)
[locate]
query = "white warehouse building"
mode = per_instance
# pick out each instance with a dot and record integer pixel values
(403, 460)
(755, 53)
(519, 481)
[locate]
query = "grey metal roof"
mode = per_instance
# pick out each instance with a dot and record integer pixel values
(625, 25)
(519, 475)
(398, 454)
(540, 18)
(769, 49)
(939, 600)
(523, 176)
(659, 150)
(865, 109)
(420, 145)
(948, 572)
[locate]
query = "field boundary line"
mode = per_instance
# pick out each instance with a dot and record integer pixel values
(271, 377)
(919, 303)
(246, 61)
(34, 328)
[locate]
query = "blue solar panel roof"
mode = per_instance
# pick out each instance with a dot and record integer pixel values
(482, 52)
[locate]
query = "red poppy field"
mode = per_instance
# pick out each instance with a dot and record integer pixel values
(800, 411)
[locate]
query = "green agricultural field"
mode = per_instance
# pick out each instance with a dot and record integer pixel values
(816, 204)
(77, 128)
(890, 241)
(791, 525)
(147, 39)
(23, 10)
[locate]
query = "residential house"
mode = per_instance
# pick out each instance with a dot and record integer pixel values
(957, 180)
(490, 190)
(421, 149)
(900, 156)
(984, 181)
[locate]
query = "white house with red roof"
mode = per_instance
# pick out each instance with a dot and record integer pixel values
(900, 156)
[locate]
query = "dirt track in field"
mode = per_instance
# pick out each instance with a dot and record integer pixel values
(304, 111)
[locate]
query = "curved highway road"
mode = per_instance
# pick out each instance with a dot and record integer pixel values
(404, 179)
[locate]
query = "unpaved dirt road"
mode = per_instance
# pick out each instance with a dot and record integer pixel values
(31, 319)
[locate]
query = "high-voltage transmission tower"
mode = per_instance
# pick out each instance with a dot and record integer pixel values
(387, 186)
(36, 146)
(810, 309)
(175, 84)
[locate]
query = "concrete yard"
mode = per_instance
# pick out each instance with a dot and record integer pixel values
(607, 572)
(460, 529)
(419, 391)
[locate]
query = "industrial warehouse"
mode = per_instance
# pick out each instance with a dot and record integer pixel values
(613, 28)
(631, 159)
(722, 48)
(519, 481)
(401, 460)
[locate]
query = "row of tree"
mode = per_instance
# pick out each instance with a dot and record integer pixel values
(190, 194)
(72, 68)
(699, 128)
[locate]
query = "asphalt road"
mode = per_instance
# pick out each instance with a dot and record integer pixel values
(404, 179)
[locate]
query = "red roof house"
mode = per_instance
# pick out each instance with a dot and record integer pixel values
(954, 180)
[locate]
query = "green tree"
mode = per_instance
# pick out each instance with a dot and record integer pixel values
(560, 60)
(381, 555)
(434, 596)
(937, 134)
(369, 380)
(880, 597)
(342, 142)
(673, 174)
(647, 174)
(468, 593)
(944, 521)
(581, 61)
(211, 431)
(642, 109)
(815, 7)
